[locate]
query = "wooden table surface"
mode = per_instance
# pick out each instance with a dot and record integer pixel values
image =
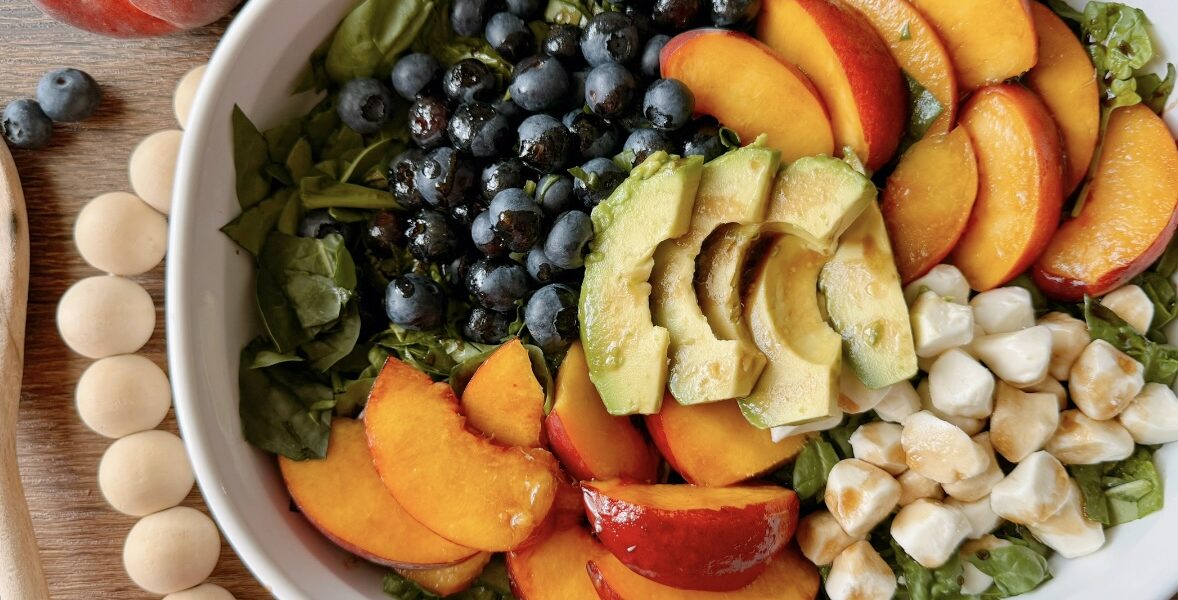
(80, 537)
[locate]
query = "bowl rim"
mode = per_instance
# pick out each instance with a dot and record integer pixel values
(184, 381)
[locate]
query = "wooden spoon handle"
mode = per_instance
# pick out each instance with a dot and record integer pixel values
(21, 577)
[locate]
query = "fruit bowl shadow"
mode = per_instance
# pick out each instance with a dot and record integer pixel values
(210, 316)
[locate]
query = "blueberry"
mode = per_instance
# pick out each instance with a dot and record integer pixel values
(428, 119)
(668, 104)
(498, 176)
(526, 9)
(497, 283)
(484, 236)
(445, 178)
(551, 317)
(413, 73)
(644, 142)
(430, 237)
(676, 15)
(456, 270)
(563, 42)
(539, 83)
(595, 136)
(25, 125)
(702, 138)
(509, 36)
(540, 267)
(575, 97)
(415, 302)
(365, 105)
(384, 232)
(598, 180)
(568, 240)
(508, 108)
(517, 219)
(475, 128)
(609, 88)
(68, 95)
(319, 224)
(554, 194)
(544, 143)
(484, 326)
(651, 62)
(467, 17)
(468, 80)
(734, 13)
(639, 13)
(402, 172)
(610, 37)
(465, 213)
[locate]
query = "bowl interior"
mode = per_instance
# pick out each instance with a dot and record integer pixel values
(210, 314)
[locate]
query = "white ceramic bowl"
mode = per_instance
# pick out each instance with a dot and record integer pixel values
(210, 316)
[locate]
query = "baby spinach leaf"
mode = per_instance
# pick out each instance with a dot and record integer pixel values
(1095, 504)
(337, 342)
(924, 108)
(438, 39)
(370, 38)
(283, 409)
(1160, 360)
(303, 285)
(812, 467)
(358, 161)
(314, 78)
(1021, 536)
(1139, 474)
(398, 587)
(1015, 569)
(250, 157)
(282, 137)
(920, 583)
(255, 223)
(1162, 294)
(326, 192)
(269, 358)
(299, 161)
(1154, 90)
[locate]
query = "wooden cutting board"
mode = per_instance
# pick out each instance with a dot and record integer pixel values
(80, 537)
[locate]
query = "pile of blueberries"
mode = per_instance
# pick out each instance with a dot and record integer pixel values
(63, 95)
(503, 174)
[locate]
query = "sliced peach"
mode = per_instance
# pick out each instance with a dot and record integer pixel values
(750, 89)
(1129, 216)
(1020, 185)
(712, 539)
(689, 436)
(1066, 81)
(928, 199)
(838, 49)
(503, 399)
(590, 442)
(457, 483)
(990, 41)
(554, 568)
(917, 50)
(343, 497)
(789, 576)
(445, 581)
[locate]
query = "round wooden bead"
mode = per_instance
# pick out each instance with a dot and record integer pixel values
(145, 472)
(186, 93)
(119, 233)
(172, 550)
(121, 395)
(153, 168)
(105, 315)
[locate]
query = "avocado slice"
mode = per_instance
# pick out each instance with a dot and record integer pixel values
(821, 196)
(734, 188)
(800, 381)
(626, 351)
(865, 302)
(718, 274)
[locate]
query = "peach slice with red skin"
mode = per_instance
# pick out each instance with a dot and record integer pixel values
(697, 538)
(688, 436)
(989, 41)
(590, 442)
(447, 581)
(455, 482)
(839, 50)
(503, 399)
(789, 576)
(1020, 185)
(1066, 81)
(343, 497)
(1129, 216)
(554, 567)
(751, 89)
(136, 18)
(928, 200)
(918, 51)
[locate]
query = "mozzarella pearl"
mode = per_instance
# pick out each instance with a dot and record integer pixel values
(121, 395)
(821, 538)
(930, 531)
(945, 281)
(1022, 423)
(859, 573)
(1003, 310)
(1153, 416)
(172, 550)
(898, 403)
(153, 168)
(940, 450)
(104, 316)
(860, 495)
(1069, 337)
(1080, 440)
(145, 472)
(978, 486)
(914, 486)
(1104, 380)
(1131, 304)
(1033, 492)
(119, 234)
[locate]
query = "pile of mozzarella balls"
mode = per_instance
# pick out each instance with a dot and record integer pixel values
(993, 385)
(145, 473)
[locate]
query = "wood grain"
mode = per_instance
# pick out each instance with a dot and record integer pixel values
(80, 537)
